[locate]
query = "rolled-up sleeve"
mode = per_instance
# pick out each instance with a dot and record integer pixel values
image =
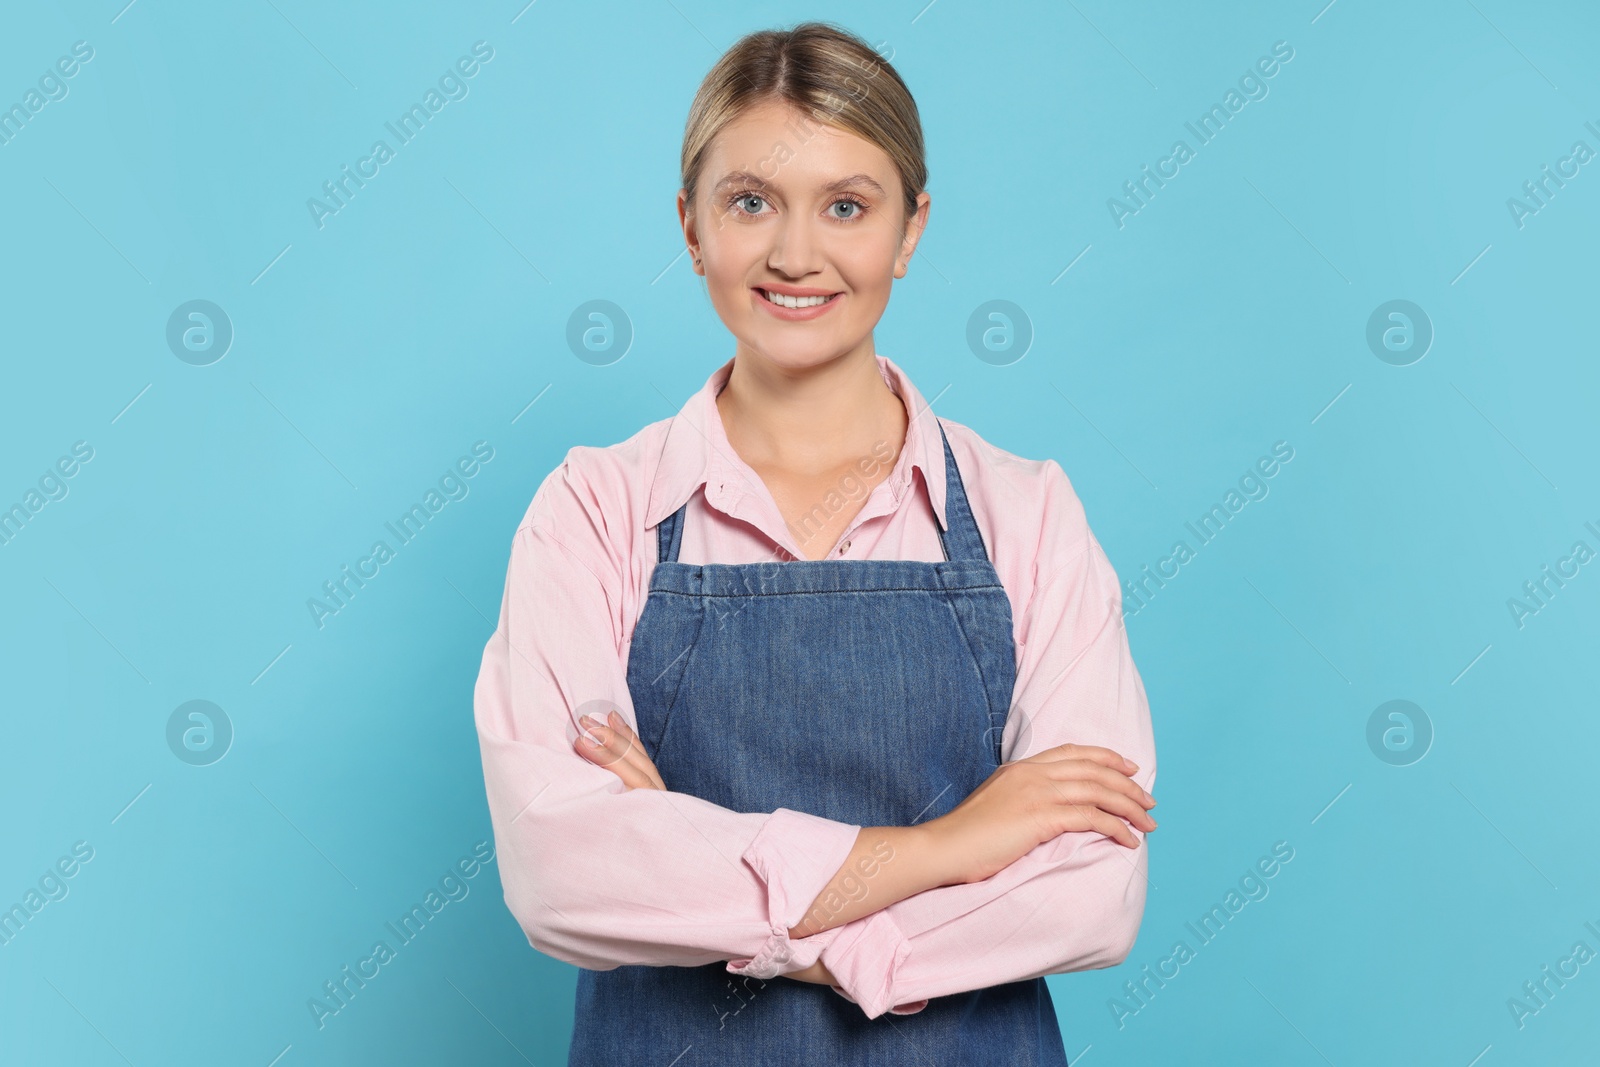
(596, 874)
(1074, 902)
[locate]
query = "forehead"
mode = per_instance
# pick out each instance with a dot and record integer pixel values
(787, 148)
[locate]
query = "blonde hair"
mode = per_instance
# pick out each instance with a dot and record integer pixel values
(827, 73)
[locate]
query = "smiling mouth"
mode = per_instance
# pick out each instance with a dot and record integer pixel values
(796, 301)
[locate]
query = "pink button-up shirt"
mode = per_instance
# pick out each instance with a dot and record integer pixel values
(600, 876)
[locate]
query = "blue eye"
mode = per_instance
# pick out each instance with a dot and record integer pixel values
(748, 203)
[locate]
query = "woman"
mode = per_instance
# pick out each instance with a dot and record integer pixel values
(861, 694)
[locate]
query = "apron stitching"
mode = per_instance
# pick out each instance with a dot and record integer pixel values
(677, 685)
(977, 664)
(824, 592)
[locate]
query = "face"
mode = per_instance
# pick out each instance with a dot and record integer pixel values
(790, 206)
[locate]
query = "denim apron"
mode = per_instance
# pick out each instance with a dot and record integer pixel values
(873, 692)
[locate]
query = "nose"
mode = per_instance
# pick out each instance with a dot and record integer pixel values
(795, 250)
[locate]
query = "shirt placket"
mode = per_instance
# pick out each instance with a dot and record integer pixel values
(725, 490)
(727, 494)
(883, 500)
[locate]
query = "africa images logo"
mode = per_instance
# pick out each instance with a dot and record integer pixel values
(1204, 129)
(453, 485)
(452, 86)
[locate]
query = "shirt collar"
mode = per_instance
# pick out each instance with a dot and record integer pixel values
(696, 451)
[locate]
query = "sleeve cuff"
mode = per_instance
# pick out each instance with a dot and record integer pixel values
(899, 1009)
(865, 959)
(796, 854)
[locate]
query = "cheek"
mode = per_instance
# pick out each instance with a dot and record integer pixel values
(729, 261)
(728, 293)
(871, 261)
(870, 279)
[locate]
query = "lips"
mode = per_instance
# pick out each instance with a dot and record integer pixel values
(813, 298)
(795, 308)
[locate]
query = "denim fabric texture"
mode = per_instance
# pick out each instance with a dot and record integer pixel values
(872, 692)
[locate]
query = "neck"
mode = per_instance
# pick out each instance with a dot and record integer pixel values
(809, 419)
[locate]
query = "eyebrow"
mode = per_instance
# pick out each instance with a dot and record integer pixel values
(854, 181)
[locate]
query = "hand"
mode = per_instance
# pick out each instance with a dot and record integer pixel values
(619, 752)
(1028, 802)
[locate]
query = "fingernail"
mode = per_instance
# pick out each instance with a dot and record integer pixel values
(1130, 763)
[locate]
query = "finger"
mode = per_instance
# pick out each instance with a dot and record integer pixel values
(1104, 756)
(1114, 828)
(1106, 824)
(620, 725)
(599, 755)
(604, 749)
(1088, 817)
(1134, 808)
(627, 740)
(641, 765)
(1086, 770)
(621, 749)
(619, 755)
(1082, 792)
(635, 749)
(1134, 813)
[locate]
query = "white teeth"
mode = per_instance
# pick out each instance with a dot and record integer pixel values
(795, 301)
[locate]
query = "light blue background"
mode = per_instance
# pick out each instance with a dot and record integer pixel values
(1228, 314)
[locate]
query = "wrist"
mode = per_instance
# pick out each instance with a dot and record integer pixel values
(817, 974)
(938, 863)
(887, 865)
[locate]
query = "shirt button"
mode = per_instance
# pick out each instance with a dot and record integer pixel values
(844, 548)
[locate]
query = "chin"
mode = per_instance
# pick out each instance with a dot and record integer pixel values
(793, 353)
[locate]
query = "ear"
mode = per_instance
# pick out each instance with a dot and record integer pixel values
(691, 236)
(912, 234)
